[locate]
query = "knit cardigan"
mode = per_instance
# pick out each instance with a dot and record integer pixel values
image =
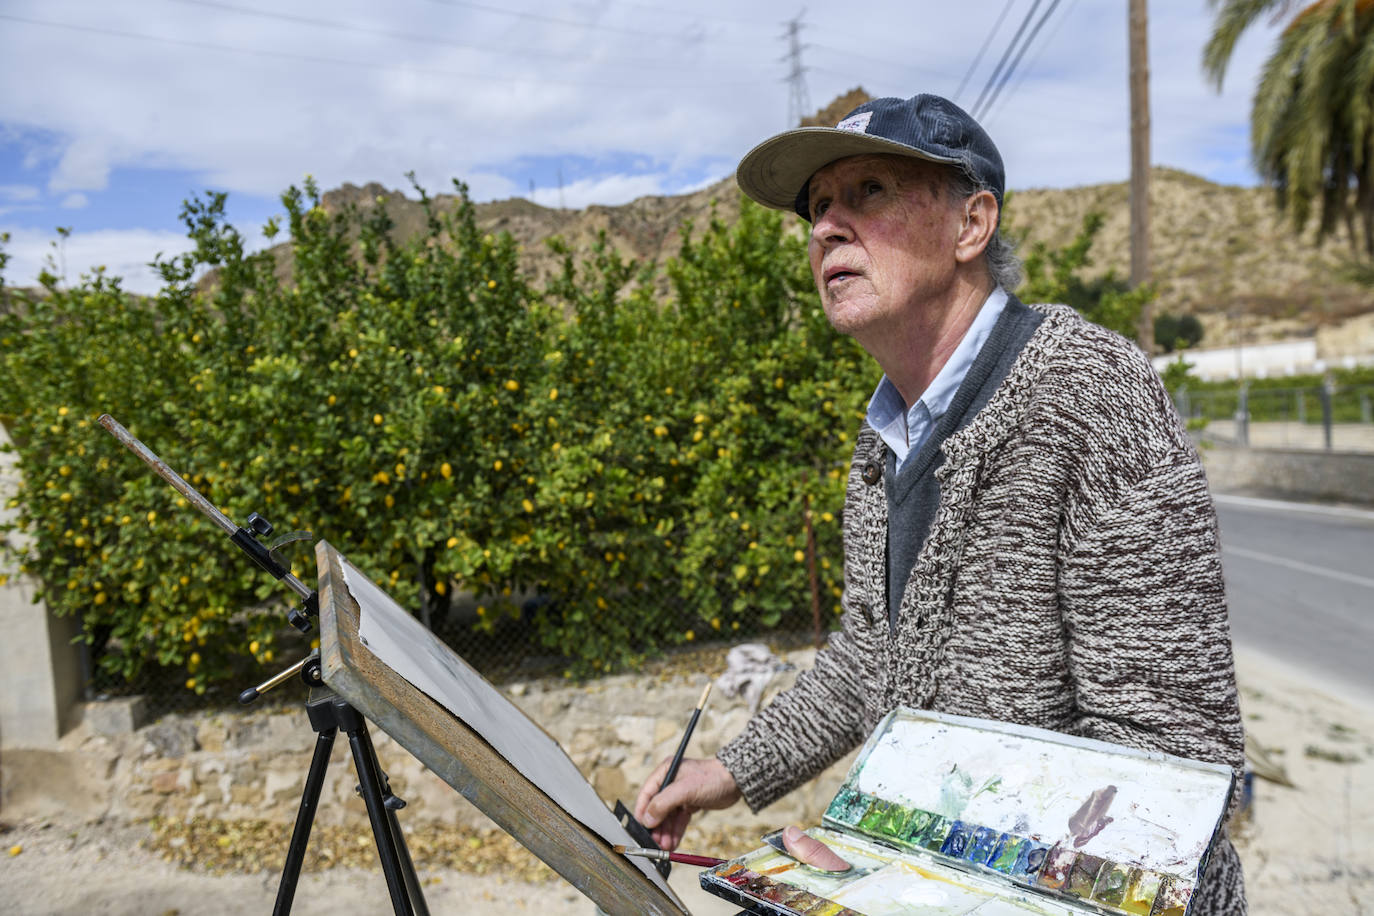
(1071, 580)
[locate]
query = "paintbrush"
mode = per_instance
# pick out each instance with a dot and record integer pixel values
(664, 856)
(686, 736)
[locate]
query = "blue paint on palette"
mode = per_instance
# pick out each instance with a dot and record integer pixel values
(956, 844)
(981, 844)
(1029, 860)
(1005, 854)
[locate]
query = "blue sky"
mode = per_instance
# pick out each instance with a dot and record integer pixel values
(112, 114)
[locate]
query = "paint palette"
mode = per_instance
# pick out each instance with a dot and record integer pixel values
(951, 816)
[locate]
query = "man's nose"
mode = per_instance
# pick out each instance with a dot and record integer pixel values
(832, 226)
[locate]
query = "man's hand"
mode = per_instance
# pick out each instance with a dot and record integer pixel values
(701, 785)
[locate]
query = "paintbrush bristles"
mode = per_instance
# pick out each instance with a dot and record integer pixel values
(701, 704)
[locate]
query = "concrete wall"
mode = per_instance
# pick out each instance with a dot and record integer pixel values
(40, 672)
(252, 765)
(1291, 473)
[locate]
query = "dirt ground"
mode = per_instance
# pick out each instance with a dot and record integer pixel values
(1308, 849)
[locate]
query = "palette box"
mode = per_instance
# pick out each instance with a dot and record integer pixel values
(946, 815)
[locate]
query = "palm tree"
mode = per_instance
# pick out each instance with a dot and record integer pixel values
(1312, 120)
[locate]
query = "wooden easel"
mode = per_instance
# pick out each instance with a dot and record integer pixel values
(464, 760)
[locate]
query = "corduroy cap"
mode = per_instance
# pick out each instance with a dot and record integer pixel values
(777, 171)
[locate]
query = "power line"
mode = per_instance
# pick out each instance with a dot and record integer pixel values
(997, 71)
(978, 59)
(486, 77)
(906, 67)
(404, 36)
(660, 10)
(595, 26)
(1021, 78)
(1019, 54)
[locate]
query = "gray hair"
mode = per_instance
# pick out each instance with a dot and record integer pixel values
(1004, 267)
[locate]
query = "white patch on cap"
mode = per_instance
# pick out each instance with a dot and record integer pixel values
(857, 123)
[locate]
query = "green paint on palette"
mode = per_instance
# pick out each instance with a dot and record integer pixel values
(1111, 885)
(917, 825)
(872, 821)
(848, 805)
(1005, 855)
(937, 834)
(894, 824)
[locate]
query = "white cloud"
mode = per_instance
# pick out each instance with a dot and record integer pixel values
(611, 189)
(18, 193)
(122, 253)
(84, 166)
(74, 201)
(250, 104)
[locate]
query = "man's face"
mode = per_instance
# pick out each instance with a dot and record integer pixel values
(882, 241)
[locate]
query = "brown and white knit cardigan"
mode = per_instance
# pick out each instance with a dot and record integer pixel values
(1071, 580)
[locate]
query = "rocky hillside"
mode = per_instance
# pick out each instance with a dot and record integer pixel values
(1222, 253)
(1217, 250)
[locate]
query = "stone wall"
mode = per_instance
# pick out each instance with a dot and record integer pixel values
(252, 765)
(1291, 473)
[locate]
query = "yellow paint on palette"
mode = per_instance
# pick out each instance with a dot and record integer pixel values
(1141, 890)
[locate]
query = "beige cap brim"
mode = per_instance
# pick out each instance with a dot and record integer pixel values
(774, 172)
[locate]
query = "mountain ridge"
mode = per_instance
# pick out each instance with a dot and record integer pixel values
(1224, 253)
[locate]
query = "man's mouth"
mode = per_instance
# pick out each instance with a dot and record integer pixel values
(837, 274)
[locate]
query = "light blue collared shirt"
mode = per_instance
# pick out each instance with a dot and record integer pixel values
(905, 431)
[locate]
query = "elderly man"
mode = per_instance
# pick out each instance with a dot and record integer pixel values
(1028, 532)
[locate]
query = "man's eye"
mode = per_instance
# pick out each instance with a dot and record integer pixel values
(872, 187)
(818, 208)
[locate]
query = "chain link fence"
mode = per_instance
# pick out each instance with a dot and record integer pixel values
(509, 651)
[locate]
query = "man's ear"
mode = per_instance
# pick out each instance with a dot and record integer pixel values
(980, 222)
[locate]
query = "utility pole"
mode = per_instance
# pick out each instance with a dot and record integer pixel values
(798, 101)
(1140, 168)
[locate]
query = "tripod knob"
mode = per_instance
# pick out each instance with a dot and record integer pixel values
(259, 525)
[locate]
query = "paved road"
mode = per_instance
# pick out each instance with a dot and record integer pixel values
(1300, 579)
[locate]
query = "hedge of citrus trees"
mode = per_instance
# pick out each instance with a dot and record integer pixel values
(636, 445)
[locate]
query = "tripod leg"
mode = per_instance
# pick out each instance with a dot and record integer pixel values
(417, 896)
(369, 779)
(305, 817)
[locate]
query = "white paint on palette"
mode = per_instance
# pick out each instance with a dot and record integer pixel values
(1128, 806)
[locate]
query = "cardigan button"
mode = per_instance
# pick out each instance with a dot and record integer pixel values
(872, 473)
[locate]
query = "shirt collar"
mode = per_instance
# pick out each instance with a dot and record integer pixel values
(887, 411)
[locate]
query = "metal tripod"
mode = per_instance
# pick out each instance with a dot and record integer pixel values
(328, 713)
